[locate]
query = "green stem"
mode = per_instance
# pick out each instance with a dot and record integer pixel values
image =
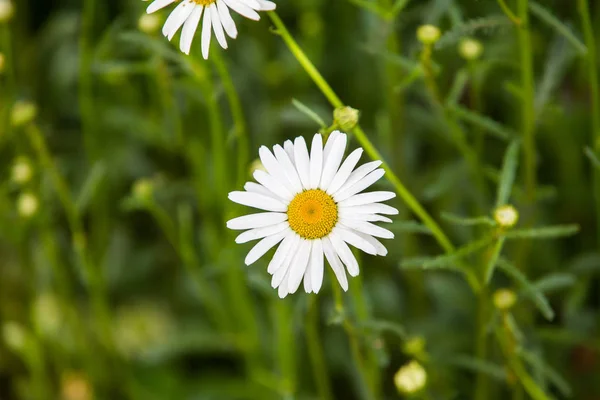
(528, 119)
(86, 102)
(241, 130)
(509, 13)
(361, 136)
(481, 345)
(315, 350)
(590, 42)
(285, 348)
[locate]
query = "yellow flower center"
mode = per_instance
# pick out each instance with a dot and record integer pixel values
(312, 214)
(204, 2)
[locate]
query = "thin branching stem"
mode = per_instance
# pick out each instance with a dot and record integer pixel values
(516, 20)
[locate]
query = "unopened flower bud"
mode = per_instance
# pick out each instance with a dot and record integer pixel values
(346, 118)
(76, 386)
(14, 335)
(428, 34)
(21, 171)
(470, 49)
(414, 346)
(149, 23)
(411, 378)
(506, 216)
(23, 112)
(7, 10)
(256, 164)
(504, 299)
(27, 205)
(143, 189)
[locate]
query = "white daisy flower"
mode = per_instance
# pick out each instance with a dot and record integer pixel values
(216, 18)
(314, 209)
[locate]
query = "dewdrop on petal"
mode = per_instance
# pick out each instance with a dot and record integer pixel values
(21, 170)
(411, 378)
(7, 10)
(506, 216)
(428, 34)
(27, 205)
(149, 23)
(470, 49)
(346, 117)
(22, 113)
(504, 299)
(14, 335)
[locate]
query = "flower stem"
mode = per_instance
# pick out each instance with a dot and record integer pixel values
(86, 102)
(509, 13)
(360, 135)
(590, 42)
(315, 350)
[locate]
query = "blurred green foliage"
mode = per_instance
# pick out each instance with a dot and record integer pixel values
(119, 280)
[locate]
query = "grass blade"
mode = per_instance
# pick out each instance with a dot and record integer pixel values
(550, 373)
(507, 176)
(458, 220)
(548, 232)
(448, 261)
(481, 121)
(543, 14)
(90, 186)
(470, 27)
(304, 109)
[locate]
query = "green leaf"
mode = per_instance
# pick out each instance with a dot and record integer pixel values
(481, 121)
(90, 186)
(559, 57)
(470, 27)
(447, 261)
(543, 14)
(550, 373)
(458, 86)
(507, 176)
(480, 366)
(304, 109)
(585, 264)
(384, 326)
(548, 232)
(493, 260)
(409, 227)
(555, 281)
(592, 156)
(458, 220)
(529, 289)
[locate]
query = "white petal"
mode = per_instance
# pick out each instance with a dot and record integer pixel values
(342, 249)
(289, 149)
(316, 161)
(259, 233)
(358, 174)
(280, 277)
(226, 19)
(282, 251)
(282, 291)
(274, 167)
(157, 5)
(332, 162)
(329, 145)
(288, 168)
(258, 220)
(367, 198)
(350, 237)
(189, 30)
(262, 247)
(242, 9)
(206, 34)
(345, 170)
(374, 208)
(253, 4)
(260, 189)
(298, 267)
(273, 185)
(177, 18)
(217, 26)
(359, 186)
(343, 215)
(316, 266)
(381, 250)
(256, 200)
(369, 229)
(336, 264)
(302, 161)
(266, 5)
(307, 278)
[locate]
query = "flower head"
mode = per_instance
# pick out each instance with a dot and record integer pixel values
(314, 210)
(7, 10)
(27, 205)
(21, 171)
(428, 34)
(504, 299)
(470, 49)
(506, 216)
(215, 17)
(411, 378)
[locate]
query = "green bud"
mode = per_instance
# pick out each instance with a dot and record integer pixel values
(414, 346)
(256, 164)
(27, 205)
(504, 299)
(470, 49)
(411, 378)
(7, 10)
(23, 112)
(428, 34)
(346, 118)
(506, 216)
(21, 171)
(143, 189)
(14, 335)
(149, 23)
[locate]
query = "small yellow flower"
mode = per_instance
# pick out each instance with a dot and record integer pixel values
(7, 10)
(23, 112)
(76, 386)
(14, 335)
(470, 49)
(21, 171)
(143, 189)
(506, 216)
(257, 165)
(428, 34)
(504, 299)
(414, 346)
(27, 205)
(149, 23)
(411, 378)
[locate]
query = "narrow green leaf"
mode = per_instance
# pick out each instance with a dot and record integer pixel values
(548, 232)
(529, 289)
(543, 14)
(592, 156)
(458, 87)
(550, 373)
(447, 261)
(481, 121)
(409, 227)
(486, 24)
(399, 5)
(370, 6)
(304, 109)
(493, 260)
(408, 80)
(585, 264)
(458, 220)
(555, 67)
(90, 186)
(555, 281)
(476, 365)
(507, 176)
(384, 326)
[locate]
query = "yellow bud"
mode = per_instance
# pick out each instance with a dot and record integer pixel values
(411, 378)
(346, 118)
(23, 112)
(76, 386)
(414, 346)
(143, 189)
(7, 10)
(256, 164)
(21, 171)
(428, 34)
(14, 335)
(149, 23)
(470, 49)
(506, 216)
(27, 205)
(504, 299)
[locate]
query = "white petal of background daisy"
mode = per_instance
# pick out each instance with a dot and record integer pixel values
(314, 209)
(214, 16)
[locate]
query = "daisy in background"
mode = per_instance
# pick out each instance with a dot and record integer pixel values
(315, 208)
(215, 17)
